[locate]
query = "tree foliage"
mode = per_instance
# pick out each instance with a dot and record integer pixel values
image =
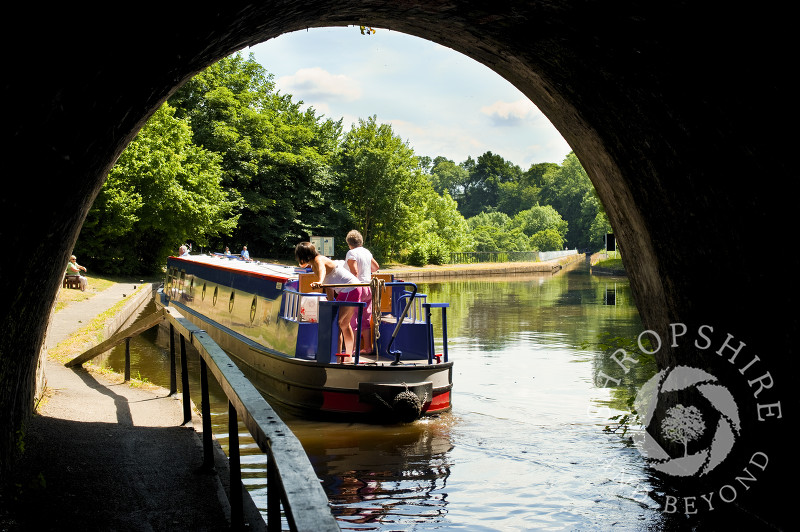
(494, 231)
(569, 190)
(162, 191)
(448, 177)
(276, 159)
(231, 161)
(485, 181)
(392, 201)
(539, 218)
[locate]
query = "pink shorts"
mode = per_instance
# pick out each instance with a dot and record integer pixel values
(353, 295)
(366, 313)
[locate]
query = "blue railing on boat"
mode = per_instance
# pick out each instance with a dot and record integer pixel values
(410, 307)
(292, 303)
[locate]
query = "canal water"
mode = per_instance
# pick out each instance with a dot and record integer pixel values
(524, 447)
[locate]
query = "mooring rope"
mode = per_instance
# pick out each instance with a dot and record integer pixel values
(377, 287)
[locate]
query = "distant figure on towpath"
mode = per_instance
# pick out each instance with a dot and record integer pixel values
(73, 268)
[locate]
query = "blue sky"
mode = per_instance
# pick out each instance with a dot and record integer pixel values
(440, 101)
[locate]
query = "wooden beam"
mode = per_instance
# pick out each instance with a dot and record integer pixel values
(138, 327)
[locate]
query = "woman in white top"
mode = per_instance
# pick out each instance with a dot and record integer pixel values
(362, 265)
(327, 271)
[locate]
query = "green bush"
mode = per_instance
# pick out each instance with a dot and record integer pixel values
(437, 252)
(547, 240)
(418, 255)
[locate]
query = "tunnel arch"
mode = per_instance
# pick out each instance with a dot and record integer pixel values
(671, 121)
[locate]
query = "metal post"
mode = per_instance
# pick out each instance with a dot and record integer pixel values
(444, 331)
(359, 325)
(127, 359)
(205, 408)
(429, 331)
(173, 379)
(273, 496)
(237, 510)
(187, 407)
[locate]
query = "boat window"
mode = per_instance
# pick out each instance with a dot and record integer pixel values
(253, 308)
(230, 301)
(216, 292)
(203, 293)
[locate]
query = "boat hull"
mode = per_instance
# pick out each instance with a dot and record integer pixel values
(275, 354)
(333, 391)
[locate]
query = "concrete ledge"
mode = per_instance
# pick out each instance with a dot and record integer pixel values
(131, 307)
(485, 268)
(615, 272)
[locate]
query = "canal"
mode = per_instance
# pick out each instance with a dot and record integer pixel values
(524, 446)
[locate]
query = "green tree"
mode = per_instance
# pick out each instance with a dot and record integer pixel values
(494, 231)
(162, 191)
(524, 192)
(482, 188)
(382, 187)
(536, 175)
(516, 196)
(277, 160)
(598, 229)
(540, 218)
(448, 177)
(441, 231)
(571, 193)
(547, 240)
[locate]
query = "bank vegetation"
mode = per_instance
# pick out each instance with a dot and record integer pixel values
(230, 161)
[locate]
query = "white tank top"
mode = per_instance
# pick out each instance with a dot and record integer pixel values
(341, 275)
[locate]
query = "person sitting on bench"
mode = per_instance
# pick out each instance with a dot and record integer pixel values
(73, 268)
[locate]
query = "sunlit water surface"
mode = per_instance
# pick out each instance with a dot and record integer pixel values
(524, 446)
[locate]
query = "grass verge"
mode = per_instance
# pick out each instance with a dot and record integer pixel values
(93, 332)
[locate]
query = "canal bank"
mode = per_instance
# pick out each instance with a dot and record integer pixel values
(484, 268)
(103, 454)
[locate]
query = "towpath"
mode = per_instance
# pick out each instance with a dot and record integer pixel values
(103, 455)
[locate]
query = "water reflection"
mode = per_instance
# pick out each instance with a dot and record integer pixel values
(524, 447)
(379, 474)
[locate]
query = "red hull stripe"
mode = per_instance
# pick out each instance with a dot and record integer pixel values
(349, 402)
(439, 402)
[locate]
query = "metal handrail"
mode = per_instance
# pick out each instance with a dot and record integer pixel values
(417, 304)
(291, 480)
(291, 310)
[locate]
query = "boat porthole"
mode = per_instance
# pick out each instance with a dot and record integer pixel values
(253, 307)
(230, 301)
(191, 286)
(203, 293)
(216, 292)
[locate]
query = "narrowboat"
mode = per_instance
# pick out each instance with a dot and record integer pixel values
(285, 338)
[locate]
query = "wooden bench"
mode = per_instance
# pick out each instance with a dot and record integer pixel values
(72, 281)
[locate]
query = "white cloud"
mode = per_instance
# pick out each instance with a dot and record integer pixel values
(511, 113)
(318, 85)
(433, 140)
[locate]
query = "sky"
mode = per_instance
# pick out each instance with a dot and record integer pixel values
(438, 100)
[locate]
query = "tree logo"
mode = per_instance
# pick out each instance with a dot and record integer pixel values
(690, 421)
